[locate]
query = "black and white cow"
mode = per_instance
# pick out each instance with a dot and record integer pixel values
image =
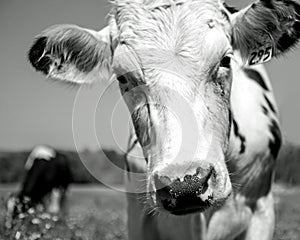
(209, 175)
(46, 181)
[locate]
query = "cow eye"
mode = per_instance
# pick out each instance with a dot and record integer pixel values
(122, 79)
(225, 62)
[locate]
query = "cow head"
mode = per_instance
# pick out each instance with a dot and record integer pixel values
(174, 64)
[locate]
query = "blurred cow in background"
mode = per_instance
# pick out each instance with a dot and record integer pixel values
(46, 181)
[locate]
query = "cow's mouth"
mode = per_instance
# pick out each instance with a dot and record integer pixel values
(196, 208)
(190, 210)
(186, 206)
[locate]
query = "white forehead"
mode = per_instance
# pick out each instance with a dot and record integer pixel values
(158, 3)
(143, 17)
(169, 33)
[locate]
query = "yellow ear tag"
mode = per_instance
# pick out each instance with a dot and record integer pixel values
(260, 55)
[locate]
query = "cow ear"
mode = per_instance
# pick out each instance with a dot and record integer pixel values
(265, 29)
(72, 54)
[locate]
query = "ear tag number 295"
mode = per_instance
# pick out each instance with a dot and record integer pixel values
(261, 55)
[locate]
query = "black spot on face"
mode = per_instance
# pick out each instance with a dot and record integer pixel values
(240, 136)
(255, 76)
(275, 143)
(270, 104)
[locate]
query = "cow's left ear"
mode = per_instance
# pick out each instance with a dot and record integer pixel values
(266, 28)
(73, 54)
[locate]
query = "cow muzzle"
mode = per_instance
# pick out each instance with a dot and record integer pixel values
(191, 193)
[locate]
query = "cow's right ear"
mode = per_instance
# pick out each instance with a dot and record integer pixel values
(73, 54)
(266, 28)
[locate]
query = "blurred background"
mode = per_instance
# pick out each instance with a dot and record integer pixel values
(36, 111)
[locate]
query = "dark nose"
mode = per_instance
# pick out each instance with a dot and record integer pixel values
(192, 194)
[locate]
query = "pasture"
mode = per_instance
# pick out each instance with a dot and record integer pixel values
(96, 213)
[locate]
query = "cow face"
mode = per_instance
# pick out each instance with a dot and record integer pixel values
(176, 78)
(174, 67)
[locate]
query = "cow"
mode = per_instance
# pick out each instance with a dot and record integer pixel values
(46, 181)
(205, 123)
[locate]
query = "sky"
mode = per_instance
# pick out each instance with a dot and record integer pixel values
(34, 110)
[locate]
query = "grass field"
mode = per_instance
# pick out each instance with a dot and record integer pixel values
(100, 214)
